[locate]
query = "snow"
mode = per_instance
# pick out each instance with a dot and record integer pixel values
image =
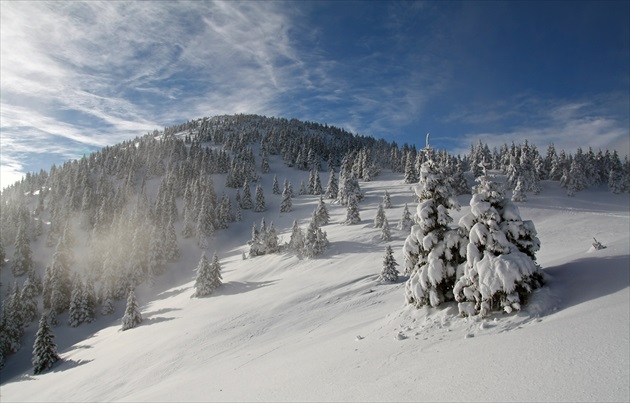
(285, 329)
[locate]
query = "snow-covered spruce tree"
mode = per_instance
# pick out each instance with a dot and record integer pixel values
(12, 323)
(349, 186)
(321, 213)
(246, 200)
(22, 258)
(500, 270)
(171, 248)
(432, 251)
(387, 200)
(296, 242)
(315, 240)
(380, 216)
(615, 174)
(270, 240)
(406, 221)
(59, 282)
(256, 246)
(460, 184)
(28, 297)
(156, 262)
(389, 273)
(260, 200)
(286, 204)
(203, 281)
(44, 348)
(386, 234)
(332, 187)
(107, 307)
(518, 195)
(411, 176)
(215, 272)
(352, 215)
(315, 184)
(132, 315)
(76, 312)
(276, 186)
(303, 189)
(89, 300)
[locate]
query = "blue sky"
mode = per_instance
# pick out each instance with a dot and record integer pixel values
(79, 76)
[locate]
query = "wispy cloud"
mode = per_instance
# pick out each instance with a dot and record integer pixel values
(97, 72)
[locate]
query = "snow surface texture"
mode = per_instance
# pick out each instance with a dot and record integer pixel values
(285, 329)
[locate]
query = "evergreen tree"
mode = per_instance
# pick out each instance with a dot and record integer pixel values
(411, 176)
(286, 203)
(303, 189)
(500, 269)
(188, 229)
(320, 214)
(76, 312)
(246, 201)
(332, 187)
(171, 249)
(60, 283)
(203, 280)
(352, 215)
(387, 200)
(432, 250)
(132, 315)
(270, 240)
(260, 200)
(460, 184)
(276, 187)
(28, 298)
(315, 240)
(406, 221)
(380, 216)
(349, 186)
(389, 272)
(519, 195)
(88, 300)
(44, 349)
(386, 234)
(22, 259)
(296, 242)
(315, 184)
(12, 322)
(215, 272)
(108, 303)
(156, 262)
(264, 165)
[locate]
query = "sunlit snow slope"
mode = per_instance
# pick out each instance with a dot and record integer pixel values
(284, 329)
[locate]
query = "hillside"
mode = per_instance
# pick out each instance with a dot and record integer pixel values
(286, 328)
(282, 329)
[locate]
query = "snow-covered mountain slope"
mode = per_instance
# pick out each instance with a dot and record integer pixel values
(285, 329)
